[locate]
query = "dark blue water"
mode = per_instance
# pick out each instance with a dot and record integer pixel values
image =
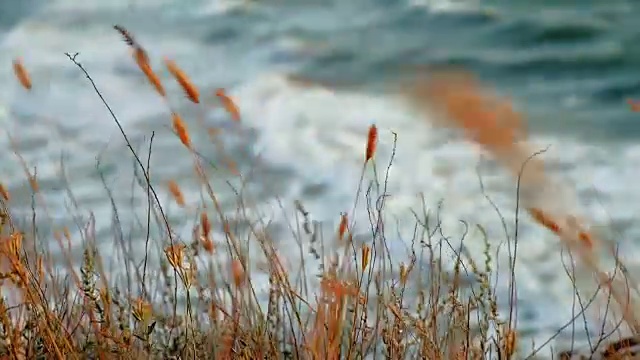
(573, 66)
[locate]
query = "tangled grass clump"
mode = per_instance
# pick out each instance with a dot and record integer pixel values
(201, 301)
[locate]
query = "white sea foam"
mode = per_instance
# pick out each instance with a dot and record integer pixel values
(322, 134)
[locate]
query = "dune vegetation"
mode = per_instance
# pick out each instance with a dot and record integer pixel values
(365, 305)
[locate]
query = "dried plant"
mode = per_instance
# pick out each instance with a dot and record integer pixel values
(228, 104)
(366, 303)
(372, 142)
(21, 74)
(176, 193)
(180, 128)
(4, 193)
(126, 36)
(181, 77)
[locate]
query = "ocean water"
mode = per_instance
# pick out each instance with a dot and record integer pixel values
(569, 67)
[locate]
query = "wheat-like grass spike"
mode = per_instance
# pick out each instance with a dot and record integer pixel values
(128, 38)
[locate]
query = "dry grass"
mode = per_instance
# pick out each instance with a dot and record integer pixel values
(366, 305)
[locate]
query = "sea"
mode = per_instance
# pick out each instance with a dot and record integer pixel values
(570, 66)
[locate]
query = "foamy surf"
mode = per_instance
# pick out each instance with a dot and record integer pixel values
(321, 134)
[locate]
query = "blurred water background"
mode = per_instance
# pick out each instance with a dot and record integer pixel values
(569, 65)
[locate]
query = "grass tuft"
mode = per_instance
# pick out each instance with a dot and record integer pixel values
(349, 298)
